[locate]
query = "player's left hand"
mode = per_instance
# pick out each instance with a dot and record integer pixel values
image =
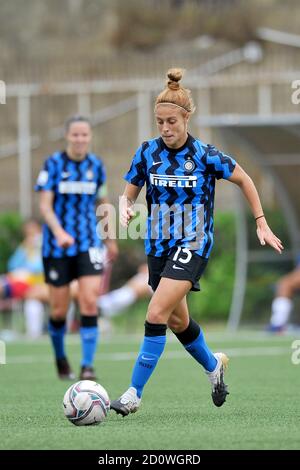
(266, 236)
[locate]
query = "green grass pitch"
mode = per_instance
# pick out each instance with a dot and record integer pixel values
(261, 412)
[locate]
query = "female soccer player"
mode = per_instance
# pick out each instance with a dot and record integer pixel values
(70, 183)
(180, 173)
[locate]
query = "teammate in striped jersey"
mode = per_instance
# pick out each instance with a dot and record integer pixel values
(70, 185)
(180, 173)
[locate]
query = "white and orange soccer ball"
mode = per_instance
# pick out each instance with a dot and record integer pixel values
(86, 403)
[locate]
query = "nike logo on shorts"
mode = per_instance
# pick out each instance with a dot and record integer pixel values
(177, 267)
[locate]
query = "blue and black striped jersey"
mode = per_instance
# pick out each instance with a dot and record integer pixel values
(180, 193)
(76, 187)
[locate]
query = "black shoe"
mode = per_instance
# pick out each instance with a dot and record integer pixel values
(219, 394)
(64, 370)
(219, 388)
(87, 373)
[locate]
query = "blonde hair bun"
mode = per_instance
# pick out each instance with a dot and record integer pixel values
(174, 76)
(174, 93)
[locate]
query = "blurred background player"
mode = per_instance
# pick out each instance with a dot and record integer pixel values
(282, 304)
(114, 302)
(25, 279)
(180, 173)
(69, 185)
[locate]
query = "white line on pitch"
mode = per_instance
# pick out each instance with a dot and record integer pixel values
(128, 356)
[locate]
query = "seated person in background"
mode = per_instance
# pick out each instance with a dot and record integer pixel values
(25, 279)
(282, 304)
(113, 302)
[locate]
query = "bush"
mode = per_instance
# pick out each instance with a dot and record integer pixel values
(214, 301)
(10, 236)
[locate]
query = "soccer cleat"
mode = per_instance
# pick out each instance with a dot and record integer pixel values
(129, 402)
(87, 373)
(219, 388)
(64, 370)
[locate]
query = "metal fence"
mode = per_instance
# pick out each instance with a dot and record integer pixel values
(33, 118)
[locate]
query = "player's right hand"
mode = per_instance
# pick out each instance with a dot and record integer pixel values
(64, 240)
(126, 215)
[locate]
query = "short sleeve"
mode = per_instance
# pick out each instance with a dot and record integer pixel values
(137, 173)
(46, 178)
(102, 192)
(218, 163)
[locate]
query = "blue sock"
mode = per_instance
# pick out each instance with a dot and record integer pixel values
(150, 352)
(89, 334)
(201, 352)
(57, 330)
(194, 342)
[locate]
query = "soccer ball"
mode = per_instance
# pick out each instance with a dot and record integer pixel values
(85, 403)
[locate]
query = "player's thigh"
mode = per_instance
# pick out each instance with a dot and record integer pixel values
(39, 292)
(291, 281)
(139, 285)
(59, 300)
(74, 289)
(89, 286)
(88, 293)
(295, 279)
(169, 293)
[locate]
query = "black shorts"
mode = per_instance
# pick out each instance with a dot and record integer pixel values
(181, 264)
(61, 271)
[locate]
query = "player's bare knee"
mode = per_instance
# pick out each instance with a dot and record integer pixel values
(156, 314)
(88, 305)
(59, 309)
(58, 315)
(88, 308)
